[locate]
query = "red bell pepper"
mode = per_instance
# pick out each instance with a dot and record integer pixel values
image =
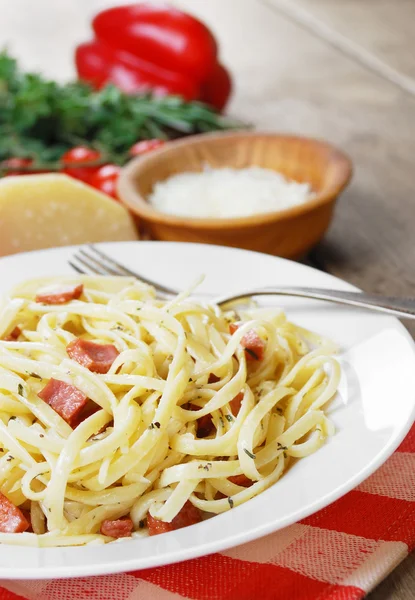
(100, 64)
(217, 89)
(144, 47)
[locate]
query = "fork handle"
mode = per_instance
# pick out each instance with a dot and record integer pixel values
(391, 305)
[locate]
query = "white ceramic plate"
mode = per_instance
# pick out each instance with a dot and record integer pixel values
(372, 413)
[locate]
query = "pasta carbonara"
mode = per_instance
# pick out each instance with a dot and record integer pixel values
(122, 414)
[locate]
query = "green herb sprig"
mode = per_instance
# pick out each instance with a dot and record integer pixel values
(41, 119)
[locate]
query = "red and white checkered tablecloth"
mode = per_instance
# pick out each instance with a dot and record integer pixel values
(340, 553)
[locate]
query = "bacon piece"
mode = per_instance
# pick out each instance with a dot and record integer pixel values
(204, 424)
(241, 480)
(13, 335)
(88, 410)
(26, 514)
(188, 515)
(253, 344)
(235, 404)
(117, 529)
(95, 357)
(233, 327)
(155, 526)
(66, 399)
(61, 295)
(213, 378)
(12, 519)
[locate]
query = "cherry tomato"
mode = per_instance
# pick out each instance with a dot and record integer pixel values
(145, 146)
(80, 155)
(105, 179)
(16, 163)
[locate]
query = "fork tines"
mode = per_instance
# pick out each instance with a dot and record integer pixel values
(94, 261)
(90, 260)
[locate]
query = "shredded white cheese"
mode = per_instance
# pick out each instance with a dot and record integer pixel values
(225, 193)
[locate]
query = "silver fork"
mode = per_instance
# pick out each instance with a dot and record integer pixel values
(91, 260)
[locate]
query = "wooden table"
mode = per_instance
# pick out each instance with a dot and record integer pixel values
(342, 70)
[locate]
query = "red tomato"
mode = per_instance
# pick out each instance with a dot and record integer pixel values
(105, 180)
(145, 146)
(80, 155)
(16, 163)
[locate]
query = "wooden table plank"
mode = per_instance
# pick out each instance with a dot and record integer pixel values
(382, 27)
(288, 80)
(400, 585)
(291, 81)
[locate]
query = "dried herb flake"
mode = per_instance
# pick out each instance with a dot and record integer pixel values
(35, 375)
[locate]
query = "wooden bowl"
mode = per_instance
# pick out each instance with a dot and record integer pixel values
(289, 233)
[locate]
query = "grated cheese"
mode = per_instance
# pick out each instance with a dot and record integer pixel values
(226, 193)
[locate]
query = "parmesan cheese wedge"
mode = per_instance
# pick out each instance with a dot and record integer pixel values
(44, 211)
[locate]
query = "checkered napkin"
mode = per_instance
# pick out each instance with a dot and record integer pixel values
(340, 553)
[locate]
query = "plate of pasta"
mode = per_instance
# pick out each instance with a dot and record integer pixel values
(137, 431)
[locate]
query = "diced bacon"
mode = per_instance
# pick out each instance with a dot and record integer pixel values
(26, 514)
(213, 378)
(253, 344)
(155, 526)
(12, 519)
(60, 295)
(241, 480)
(117, 529)
(188, 515)
(204, 424)
(95, 357)
(13, 335)
(88, 410)
(66, 399)
(233, 327)
(235, 403)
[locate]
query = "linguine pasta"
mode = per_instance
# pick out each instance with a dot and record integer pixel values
(143, 452)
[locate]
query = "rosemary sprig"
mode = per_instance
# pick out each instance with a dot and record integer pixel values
(41, 119)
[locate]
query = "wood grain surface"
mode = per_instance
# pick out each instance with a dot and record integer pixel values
(322, 78)
(382, 27)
